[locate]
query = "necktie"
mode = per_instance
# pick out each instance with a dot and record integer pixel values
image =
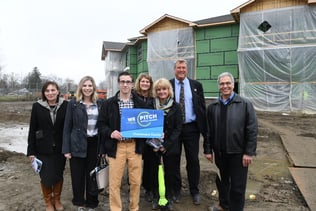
(181, 100)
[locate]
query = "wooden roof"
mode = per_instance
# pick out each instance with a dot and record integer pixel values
(166, 22)
(259, 5)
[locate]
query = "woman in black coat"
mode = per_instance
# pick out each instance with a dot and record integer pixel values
(45, 142)
(144, 89)
(163, 100)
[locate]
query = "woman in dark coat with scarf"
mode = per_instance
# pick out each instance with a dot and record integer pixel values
(45, 142)
(163, 100)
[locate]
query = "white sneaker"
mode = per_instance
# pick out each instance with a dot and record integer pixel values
(81, 209)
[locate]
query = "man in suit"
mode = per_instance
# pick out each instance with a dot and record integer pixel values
(194, 124)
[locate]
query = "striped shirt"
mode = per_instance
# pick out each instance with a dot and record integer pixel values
(92, 112)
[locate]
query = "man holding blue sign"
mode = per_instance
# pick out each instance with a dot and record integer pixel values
(121, 150)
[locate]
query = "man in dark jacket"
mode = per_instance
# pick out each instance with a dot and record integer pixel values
(194, 124)
(121, 151)
(232, 138)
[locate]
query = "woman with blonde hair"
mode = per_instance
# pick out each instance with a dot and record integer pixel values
(163, 100)
(80, 144)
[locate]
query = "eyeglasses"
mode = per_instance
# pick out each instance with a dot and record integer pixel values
(125, 82)
(225, 83)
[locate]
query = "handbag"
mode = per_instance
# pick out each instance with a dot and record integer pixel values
(101, 172)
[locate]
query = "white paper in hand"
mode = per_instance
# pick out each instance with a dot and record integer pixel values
(37, 165)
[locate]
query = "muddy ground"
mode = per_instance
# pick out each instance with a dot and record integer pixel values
(269, 178)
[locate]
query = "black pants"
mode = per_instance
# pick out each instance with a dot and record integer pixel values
(80, 172)
(190, 139)
(148, 168)
(232, 182)
(169, 164)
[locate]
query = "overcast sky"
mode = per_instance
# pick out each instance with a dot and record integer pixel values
(64, 37)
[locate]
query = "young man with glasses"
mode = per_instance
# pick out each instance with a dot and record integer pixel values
(121, 151)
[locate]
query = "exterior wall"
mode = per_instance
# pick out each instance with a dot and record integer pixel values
(137, 58)
(216, 52)
(142, 57)
(132, 60)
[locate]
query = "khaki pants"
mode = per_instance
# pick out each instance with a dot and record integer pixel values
(125, 154)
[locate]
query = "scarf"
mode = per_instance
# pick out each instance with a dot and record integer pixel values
(166, 106)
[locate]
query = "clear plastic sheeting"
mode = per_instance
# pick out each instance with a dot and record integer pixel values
(113, 66)
(166, 47)
(278, 67)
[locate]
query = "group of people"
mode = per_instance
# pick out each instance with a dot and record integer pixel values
(84, 128)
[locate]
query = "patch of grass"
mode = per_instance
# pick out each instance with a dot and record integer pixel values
(14, 98)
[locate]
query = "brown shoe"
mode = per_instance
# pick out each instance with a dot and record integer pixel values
(47, 195)
(57, 188)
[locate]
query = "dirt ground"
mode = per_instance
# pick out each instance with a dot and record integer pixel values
(269, 178)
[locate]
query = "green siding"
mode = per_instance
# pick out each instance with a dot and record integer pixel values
(202, 46)
(224, 44)
(144, 43)
(212, 95)
(218, 32)
(145, 55)
(233, 69)
(203, 73)
(142, 67)
(235, 30)
(132, 56)
(210, 59)
(139, 58)
(132, 50)
(199, 34)
(210, 88)
(216, 52)
(231, 57)
(133, 59)
(209, 85)
(133, 69)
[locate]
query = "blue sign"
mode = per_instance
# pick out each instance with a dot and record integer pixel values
(141, 123)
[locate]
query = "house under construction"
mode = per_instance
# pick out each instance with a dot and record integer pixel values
(268, 45)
